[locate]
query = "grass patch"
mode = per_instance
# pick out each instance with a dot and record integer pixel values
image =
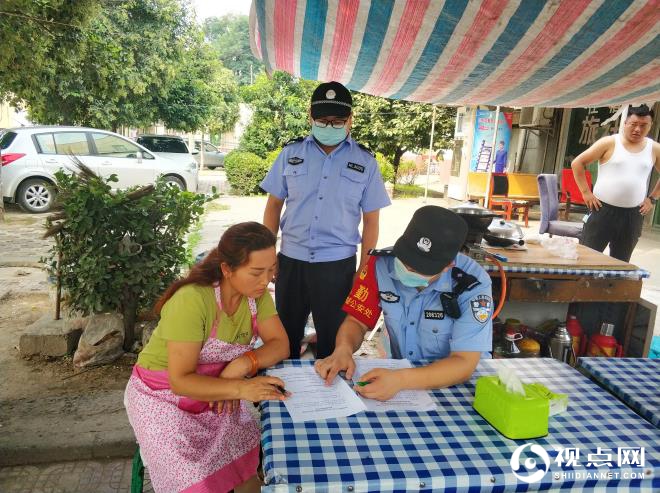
(411, 191)
(215, 206)
(194, 237)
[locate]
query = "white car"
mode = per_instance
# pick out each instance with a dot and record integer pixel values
(31, 156)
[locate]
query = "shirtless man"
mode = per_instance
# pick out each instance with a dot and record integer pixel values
(619, 202)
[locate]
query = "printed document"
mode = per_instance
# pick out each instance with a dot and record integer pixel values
(406, 400)
(312, 399)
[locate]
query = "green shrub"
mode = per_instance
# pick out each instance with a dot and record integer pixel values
(118, 249)
(272, 156)
(245, 171)
(386, 168)
(407, 172)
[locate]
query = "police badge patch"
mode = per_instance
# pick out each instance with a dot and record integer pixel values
(295, 160)
(389, 296)
(481, 306)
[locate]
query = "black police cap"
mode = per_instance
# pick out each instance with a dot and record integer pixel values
(432, 239)
(331, 99)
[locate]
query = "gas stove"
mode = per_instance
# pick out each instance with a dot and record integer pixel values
(474, 251)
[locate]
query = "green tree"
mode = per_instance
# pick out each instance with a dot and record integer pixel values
(203, 94)
(280, 106)
(393, 127)
(31, 30)
(126, 58)
(135, 63)
(230, 35)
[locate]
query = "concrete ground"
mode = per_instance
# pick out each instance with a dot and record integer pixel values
(92, 430)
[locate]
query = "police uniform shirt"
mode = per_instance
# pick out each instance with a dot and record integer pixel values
(416, 323)
(325, 195)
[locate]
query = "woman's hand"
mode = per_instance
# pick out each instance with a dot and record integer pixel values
(239, 368)
(261, 389)
(381, 384)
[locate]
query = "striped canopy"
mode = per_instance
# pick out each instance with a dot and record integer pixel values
(561, 53)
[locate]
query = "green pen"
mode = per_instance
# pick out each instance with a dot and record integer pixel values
(362, 384)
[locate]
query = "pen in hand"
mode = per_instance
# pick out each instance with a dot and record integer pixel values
(281, 389)
(362, 384)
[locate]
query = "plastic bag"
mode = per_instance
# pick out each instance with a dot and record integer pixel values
(561, 246)
(101, 341)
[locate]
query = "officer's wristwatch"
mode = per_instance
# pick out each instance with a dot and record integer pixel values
(653, 201)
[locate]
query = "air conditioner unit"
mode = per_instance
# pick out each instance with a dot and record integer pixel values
(536, 117)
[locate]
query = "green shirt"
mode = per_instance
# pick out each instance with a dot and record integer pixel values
(188, 317)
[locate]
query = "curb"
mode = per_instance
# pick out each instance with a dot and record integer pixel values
(93, 425)
(121, 449)
(21, 263)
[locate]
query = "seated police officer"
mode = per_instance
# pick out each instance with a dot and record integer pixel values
(436, 303)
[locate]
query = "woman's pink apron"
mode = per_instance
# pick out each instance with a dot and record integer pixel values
(186, 446)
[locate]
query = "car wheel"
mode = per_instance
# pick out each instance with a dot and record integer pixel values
(211, 167)
(175, 181)
(36, 195)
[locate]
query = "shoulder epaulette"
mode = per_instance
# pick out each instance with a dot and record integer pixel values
(365, 148)
(294, 140)
(381, 252)
(463, 281)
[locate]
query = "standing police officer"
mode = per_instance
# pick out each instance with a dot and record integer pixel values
(436, 303)
(328, 182)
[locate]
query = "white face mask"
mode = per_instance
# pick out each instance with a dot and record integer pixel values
(410, 279)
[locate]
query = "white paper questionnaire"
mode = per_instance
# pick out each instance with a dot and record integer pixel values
(405, 400)
(312, 399)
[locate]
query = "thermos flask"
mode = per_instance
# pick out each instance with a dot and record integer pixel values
(560, 345)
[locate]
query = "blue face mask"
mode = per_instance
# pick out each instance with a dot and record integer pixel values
(410, 279)
(329, 136)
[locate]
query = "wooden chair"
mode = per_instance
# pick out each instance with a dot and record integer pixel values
(498, 198)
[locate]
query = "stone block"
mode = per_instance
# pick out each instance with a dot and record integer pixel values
(48, 337)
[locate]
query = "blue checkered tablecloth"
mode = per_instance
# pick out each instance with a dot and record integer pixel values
(636, 381)
(597, 273)
(455, 449)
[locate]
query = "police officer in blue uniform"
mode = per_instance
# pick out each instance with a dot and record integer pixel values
(436, 303)
(329, 183)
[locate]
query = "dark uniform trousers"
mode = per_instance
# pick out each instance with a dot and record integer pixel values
(320, 287)
(621, 227)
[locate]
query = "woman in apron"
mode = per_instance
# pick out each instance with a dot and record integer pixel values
(187, 397)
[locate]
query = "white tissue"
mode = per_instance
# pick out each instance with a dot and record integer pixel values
(510, 380)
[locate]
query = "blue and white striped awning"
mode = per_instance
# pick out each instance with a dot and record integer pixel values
(563, 53)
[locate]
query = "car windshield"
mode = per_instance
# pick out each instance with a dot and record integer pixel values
(163, 144)
(6, 139)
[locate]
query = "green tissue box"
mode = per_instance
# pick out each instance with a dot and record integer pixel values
(513, 415)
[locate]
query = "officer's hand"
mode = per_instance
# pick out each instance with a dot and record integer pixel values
(591, 201)
(340, 360)
(382, 384)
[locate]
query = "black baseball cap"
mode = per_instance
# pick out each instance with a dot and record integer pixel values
(432, 239)
(331, 99)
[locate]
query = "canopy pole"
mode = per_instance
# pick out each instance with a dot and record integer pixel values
(428, 167)
(624, 115)
(490, 159)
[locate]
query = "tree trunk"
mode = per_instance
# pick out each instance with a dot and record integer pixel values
(129, 312)
(396, 161)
